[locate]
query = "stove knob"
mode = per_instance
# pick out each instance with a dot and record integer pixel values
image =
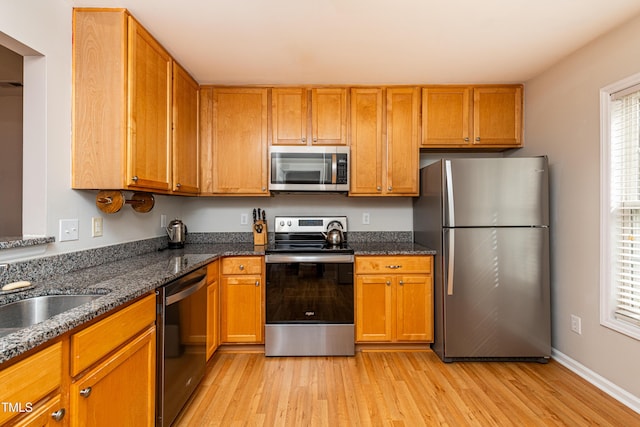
(289, 223)
(281, 223)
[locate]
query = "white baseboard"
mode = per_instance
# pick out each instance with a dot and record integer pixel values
(602, 383)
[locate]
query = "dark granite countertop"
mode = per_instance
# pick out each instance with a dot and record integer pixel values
(124, 280)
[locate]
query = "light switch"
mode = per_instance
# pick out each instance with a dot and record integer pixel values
(96, 226)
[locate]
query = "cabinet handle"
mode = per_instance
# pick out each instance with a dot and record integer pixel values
(393, 267)
(401, 283)
(388, 283)
(477, 138)
(58, 415)
(257, 283)
(135, 178)
(85, 392)
(241, 267)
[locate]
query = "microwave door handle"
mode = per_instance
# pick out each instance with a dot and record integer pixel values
(334, 168)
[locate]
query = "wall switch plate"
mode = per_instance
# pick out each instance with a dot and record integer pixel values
(244, 219)
(576, 324)
(68, 230)
(366, 219)
(163, 221)
(96, 226)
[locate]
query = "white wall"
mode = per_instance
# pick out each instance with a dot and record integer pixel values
(562, 120)
(44, 26)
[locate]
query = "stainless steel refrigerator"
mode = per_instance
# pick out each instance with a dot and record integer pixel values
(488, 220)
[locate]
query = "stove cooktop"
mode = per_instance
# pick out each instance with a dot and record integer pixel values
(307, 247)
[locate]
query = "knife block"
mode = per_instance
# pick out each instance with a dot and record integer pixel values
(260, 233)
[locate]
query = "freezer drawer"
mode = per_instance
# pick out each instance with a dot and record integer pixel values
(495, 292)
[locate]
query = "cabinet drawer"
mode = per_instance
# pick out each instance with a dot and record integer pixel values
(393, 264)
(96, 341)
(30, 380)
(242, 265)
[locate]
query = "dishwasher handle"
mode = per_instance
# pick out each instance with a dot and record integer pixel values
(198, 283)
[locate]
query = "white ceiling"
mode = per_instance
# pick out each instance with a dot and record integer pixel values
(372, 41)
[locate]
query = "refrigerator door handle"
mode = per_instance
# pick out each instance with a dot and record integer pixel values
(451, 261)
(449, 184)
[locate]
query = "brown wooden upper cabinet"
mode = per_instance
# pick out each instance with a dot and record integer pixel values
(323, 121)
(472, 116)
(122, 107)
(186, 153)
(233, 139)
(385, 141)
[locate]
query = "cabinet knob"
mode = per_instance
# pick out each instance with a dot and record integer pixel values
(315, 139)
(135, 178)
(85, 392)
(304, 139)
(390, 188)
(388, 283)
(477, 138)
(178, 185)
(401, 283)
(257, 283)
(58, 415)
(241, 267)
(466, 139)
(378, 188)
(264, 188)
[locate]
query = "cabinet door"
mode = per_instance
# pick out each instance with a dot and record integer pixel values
(414, 308)
(497, 116)
(185, 151)
(403, 150)
(149, 98)
(236, 142)
(446, 116)
(373, 307)
(366, 142)
(241, 309)
(329, 116)
(119, 391)
(213, 308)
(289, 115)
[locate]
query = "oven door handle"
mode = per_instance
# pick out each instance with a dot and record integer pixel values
(309, 258)
(186, 292)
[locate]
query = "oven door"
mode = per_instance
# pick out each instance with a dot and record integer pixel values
(309, 305)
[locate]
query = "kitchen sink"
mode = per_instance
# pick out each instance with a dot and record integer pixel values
(29, 311)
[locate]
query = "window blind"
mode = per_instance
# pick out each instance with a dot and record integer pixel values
(625, 202)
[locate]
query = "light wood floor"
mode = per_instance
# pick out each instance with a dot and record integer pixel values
(395, 389)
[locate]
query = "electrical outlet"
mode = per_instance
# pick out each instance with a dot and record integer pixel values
(576, 324)
(96, 226)
(244, 219)
(68, 229)
(366, 219)
(163, 221)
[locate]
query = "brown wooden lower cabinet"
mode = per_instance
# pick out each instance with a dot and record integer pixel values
(120, 390)
(99, 375)
(394, 299)
(241, 300)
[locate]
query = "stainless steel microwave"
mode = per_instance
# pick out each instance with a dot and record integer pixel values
(309, 168)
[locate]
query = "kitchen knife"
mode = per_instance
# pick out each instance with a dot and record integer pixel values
(254, 215)
(264, 216)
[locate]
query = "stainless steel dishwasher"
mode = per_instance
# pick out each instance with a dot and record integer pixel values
(181, 343)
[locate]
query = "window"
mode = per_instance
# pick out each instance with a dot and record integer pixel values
(620, 215)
